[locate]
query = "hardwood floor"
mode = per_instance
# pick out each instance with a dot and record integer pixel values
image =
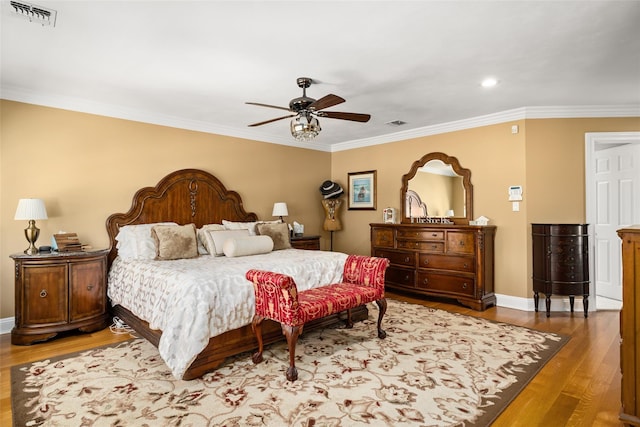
(580, 386)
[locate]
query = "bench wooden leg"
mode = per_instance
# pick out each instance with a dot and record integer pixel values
(382, 306)
(349, 323)
(292, 333)
(256, 325)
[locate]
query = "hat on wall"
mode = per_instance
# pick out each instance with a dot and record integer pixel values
(331, 190)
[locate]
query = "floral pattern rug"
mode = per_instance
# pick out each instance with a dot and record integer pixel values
(435, 368)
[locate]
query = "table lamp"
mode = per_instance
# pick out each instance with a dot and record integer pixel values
(31, 210)
(280, 209)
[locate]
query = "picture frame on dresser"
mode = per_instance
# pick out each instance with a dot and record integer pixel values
(362, 192)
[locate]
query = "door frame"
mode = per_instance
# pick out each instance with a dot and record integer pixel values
(592, 141)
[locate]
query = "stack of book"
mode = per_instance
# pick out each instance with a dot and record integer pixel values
(67, 242)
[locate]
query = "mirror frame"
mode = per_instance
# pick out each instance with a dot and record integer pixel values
(455, 164)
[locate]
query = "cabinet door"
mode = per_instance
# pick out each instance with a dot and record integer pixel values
(87, 284)
(44, 298)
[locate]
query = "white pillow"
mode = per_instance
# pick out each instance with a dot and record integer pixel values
(249, 245)
(203, 248)
(216, 239)
(251, 226)
(136, 241)
(232, 225)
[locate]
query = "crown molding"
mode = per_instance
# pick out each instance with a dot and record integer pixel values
(547, 112)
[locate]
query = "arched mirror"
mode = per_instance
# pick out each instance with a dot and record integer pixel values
(438, 186)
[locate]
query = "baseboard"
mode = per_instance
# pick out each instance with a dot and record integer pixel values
(527, 304)
(6, 325)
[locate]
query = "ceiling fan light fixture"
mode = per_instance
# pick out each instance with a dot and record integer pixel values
(305, 128)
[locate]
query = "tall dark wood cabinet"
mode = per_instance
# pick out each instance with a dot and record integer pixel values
(560, 263)
(444, 260)
(630, 326)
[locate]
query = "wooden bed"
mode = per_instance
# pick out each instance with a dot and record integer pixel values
(195, 196)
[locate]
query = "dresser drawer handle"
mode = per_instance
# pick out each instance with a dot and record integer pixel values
(461, 243)
(426, 262)
(43, 293)
(89, 287)
(406, 259)
(425, 281)
(434, 246)
(434, 234)
(464, 285)
(465, 265)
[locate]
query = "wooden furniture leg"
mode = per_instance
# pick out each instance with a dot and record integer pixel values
(349, 322)
(292, 333)
(256, 325)
(382, 309)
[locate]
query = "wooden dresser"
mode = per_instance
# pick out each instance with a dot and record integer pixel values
(445, 260)
(56, 292)
(630, 325)
(561, 263)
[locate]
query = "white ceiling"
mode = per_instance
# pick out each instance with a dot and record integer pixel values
(194, 64)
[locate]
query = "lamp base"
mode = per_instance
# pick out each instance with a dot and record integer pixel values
(31, 233)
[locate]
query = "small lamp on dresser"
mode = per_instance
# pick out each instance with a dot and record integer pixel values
(280, 209)
(31, 210)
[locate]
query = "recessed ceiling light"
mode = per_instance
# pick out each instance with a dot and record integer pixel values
(489, 82)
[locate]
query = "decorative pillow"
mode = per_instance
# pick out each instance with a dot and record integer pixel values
(135, 242)
(279, 233)
(203, 247)
(251, 226)
(175, 241)
(249, 245)
(232, 225)
(216, 239)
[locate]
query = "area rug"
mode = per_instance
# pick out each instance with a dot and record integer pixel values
(435, 368)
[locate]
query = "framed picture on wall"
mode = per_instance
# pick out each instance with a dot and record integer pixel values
(362, 190)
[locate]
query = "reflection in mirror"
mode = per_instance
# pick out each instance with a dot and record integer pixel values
(442, 186)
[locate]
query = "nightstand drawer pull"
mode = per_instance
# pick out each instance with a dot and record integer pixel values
(43, 293)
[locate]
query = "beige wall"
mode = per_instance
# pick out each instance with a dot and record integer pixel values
(86, 167)
(546, 157)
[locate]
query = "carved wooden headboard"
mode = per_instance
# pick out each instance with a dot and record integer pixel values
(184, 196)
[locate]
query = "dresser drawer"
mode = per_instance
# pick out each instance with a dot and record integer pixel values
(421, 234)
(434, 247)
(400, 277)
(397, 257)
(460, 242)
(382, 237)
(444, 283)
(447, 262)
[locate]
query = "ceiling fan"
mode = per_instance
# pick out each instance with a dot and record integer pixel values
(306, 110)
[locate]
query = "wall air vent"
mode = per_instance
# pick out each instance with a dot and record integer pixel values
(37, 14)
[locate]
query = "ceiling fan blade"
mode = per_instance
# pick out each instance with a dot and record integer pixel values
(267, 105)
(325, 102)
(354, 117)
(272, 120)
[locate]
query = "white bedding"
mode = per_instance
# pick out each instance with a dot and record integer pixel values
(191, 300)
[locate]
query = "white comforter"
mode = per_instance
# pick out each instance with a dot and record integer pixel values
(191, 300)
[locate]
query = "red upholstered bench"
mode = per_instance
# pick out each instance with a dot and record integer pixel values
(278, 299)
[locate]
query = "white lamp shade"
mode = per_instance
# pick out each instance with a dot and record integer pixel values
(29, 209)
(280, 209)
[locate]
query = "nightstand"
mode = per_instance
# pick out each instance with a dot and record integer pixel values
(306, 242)
(57, 292)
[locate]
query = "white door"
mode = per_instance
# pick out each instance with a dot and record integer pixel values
(617, 191)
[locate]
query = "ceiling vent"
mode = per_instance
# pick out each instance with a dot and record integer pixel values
(37, 14)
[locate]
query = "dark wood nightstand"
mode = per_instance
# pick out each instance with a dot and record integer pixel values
(56, 292)
(306, 242)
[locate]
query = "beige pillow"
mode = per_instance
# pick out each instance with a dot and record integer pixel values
(175, 241)
(202, 237)
(249, 245)
(216, 239)
(279, 233)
